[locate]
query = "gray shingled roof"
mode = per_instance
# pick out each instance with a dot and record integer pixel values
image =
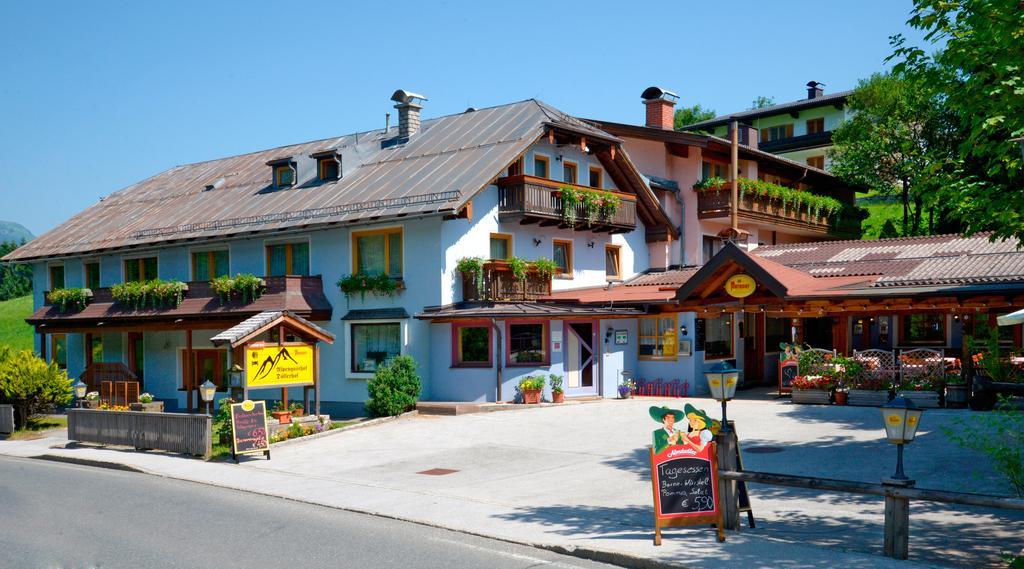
(912, 261)
(519, 310)
(437, 171)
(254, 323)
(839, 97)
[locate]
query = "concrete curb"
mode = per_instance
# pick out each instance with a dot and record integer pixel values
(359, 425)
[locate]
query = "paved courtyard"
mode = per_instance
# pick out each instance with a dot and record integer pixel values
(577, 477)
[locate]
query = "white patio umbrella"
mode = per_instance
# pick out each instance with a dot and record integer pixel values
(1011, 319)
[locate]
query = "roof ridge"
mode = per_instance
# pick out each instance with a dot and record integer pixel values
(847, 261)
(783, 246)
(777, 106)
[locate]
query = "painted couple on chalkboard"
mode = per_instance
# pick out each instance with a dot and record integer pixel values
(699, 431)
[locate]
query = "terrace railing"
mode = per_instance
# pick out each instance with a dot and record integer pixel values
(537, 200)
(499, 284)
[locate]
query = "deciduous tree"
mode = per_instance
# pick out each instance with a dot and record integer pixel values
(689, 115)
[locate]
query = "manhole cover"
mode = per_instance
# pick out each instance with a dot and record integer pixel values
(764, 450)
(438, 471)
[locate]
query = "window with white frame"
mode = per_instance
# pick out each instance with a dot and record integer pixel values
(371, 344)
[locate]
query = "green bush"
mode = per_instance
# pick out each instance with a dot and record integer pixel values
(394, 389)
(31, 385)
(999, 435)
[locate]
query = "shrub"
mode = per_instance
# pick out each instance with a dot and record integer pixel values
(31, 385)
(394, 389)
(999, 435)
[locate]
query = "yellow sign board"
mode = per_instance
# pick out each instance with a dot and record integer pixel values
(278, 366)
(740, 286)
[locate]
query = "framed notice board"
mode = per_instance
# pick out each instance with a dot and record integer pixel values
(685, 486)
(700, 334)
(788, 370)
(249, 429)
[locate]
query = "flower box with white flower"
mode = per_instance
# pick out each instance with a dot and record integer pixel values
(146, 403)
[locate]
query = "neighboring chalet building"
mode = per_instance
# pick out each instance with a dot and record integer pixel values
(800, 130)
(407, 202)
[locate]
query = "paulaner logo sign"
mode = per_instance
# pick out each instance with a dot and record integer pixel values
(279, 366)
(740, 286)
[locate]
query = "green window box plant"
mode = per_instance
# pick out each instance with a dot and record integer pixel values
(157, 293)
(361, 284)
(473, 267)
(244, 287)
(74, 299)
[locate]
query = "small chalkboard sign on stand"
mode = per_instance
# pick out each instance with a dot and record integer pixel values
(788, 370)
(685, 486)
(249, 429)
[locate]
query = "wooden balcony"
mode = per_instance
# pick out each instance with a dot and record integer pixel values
(763, 209)
(537, 200)
(501, 285)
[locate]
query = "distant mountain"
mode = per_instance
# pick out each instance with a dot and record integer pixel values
(14, 231)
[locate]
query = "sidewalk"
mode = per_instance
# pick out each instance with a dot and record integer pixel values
(568, 479)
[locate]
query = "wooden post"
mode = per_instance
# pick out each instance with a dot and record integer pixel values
(734, 172)
(187, 373)
(897, 521)
(728, 497)
(316, 377)
(280, 342)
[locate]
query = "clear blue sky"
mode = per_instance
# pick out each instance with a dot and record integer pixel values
(98, 95)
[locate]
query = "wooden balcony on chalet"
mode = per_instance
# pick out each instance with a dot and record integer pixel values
(538, 200)
(201, 307)
(499, 284)
(763, 209)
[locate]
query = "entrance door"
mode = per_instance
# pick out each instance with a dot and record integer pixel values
(209, 364)
(580, 359)
(753, 348)
(137, 357)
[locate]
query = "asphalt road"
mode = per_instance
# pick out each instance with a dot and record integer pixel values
(67, 515)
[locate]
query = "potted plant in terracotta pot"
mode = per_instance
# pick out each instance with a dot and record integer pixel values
(846, 372)
(531, 388)
(281, 413)
(557, 392)
(297, 409)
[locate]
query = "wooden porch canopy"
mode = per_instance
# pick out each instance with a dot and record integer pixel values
(266, 321)
(784, 291)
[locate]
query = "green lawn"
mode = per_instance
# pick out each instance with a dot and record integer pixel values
(36, 425)
(14, 332)
(879, 210)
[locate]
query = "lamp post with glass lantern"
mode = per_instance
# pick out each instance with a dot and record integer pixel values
(901, 418)
(206, 392)
(79, 389)
(722, 380)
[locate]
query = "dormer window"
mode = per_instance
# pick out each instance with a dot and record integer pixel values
(328, 165)
(284, 172)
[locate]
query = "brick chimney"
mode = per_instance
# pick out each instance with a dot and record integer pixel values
(814, 89)
(408, 112)
(661, 107)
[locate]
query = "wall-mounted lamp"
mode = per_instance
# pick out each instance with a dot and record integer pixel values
(558, 158)
(956, 317)
(536, 242)
(683, 330)
(586, 149)
(590, 243)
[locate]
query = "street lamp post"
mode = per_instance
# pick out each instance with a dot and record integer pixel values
(206, 392)
(79, 389)
(901, 418)
(722, 380)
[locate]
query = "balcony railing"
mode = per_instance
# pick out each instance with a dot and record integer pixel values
(764, 209)
(499, 284)
(796, 142)
(537, 200)
(283, 285)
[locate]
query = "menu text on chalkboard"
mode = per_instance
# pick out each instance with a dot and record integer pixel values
(249, 428)
(700, 331)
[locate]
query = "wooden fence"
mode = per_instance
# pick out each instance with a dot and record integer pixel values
(897, 496)
(172, 432)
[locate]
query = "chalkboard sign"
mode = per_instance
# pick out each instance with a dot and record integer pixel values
(788, 370)
(700, 333)
(249, 428)
(685, 485)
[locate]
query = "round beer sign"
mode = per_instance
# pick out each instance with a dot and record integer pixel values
(740, 286)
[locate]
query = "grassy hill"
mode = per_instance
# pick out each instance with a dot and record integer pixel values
(14, 231)
(13, 330)
(879, 209)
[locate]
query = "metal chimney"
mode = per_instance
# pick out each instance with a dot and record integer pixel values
(814, 89)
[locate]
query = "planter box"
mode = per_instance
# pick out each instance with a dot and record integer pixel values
(154, 407)
(923, 399)
(88, 403)
(812, 396)
(173, 432)
(867, 398)
(531, 396)
(956, 396)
